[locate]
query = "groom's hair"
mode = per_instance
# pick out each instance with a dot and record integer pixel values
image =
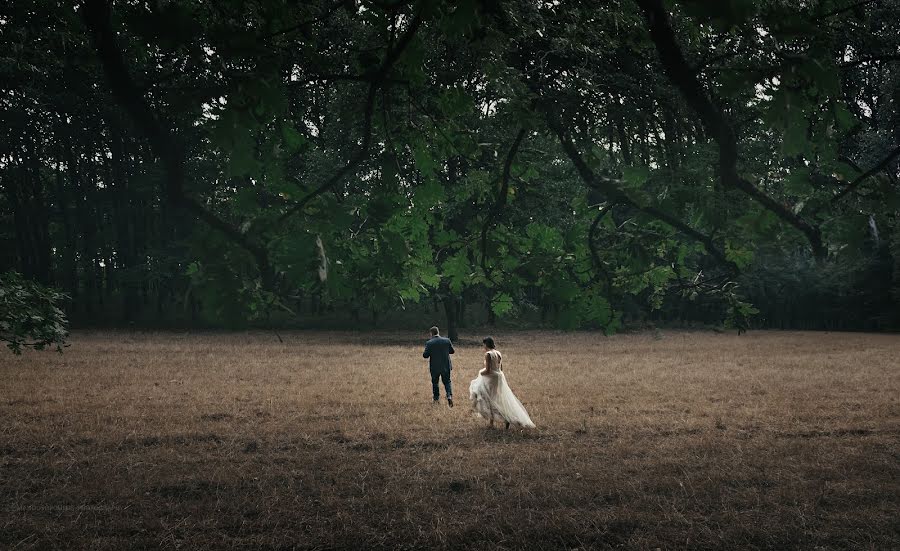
(434, 331)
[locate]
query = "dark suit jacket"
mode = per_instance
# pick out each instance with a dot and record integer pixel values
(438, 350)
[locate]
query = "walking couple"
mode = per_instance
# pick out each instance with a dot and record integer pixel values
(489, 392)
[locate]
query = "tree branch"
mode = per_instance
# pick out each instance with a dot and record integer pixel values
(685, 80)
(612, 190)
(297, 26)
(844, 9)
(883, 164)
(164, 142)
(375, 78)
(358, 157)
(501, 199)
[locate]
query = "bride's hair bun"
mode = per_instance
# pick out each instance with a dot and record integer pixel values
(489, 342)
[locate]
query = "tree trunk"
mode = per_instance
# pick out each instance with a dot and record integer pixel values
(126, 269)
(451, 309)
(69, 277)
(26, 194)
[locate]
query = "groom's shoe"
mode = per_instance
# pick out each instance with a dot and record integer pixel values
(450, 401)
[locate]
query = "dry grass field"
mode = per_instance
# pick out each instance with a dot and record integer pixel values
(330, 440)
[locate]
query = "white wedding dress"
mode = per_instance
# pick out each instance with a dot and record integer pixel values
(491, 396)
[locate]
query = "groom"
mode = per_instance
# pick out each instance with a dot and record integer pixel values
(438, 350)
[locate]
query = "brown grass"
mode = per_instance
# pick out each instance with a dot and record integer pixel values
(330, 440)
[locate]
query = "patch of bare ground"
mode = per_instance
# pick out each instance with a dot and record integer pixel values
(330, 440)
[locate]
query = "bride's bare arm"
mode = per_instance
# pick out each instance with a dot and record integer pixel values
(487, 364)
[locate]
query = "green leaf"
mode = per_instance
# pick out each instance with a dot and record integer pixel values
(457, 271)
(424, 161)
(293, 141)
(844, 171)
(544, 237)
(596, 309)
(797, 183)
(796, 132)
(463, 19)
(455, 102)
(741, 257)
(193, 269)
(569, 318)
(659, 276)
(635, 176)
(442, 237)
(29, 315)
(501, 304)
(242, 161)
(244, 200)
(428, 194)
(412, 60)
(565, 291)
(733, 82)
(843, 117)
(822, 74)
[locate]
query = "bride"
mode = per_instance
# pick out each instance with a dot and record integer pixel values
(490, 394)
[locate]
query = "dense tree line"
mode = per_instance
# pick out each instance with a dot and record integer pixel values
(575, 164)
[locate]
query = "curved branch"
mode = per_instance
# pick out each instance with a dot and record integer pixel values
(358, 157)
(611, 188)
(375, 78)
(843, 9)
(685, 80)
(501, 199)
(164, 142)
(883, 164)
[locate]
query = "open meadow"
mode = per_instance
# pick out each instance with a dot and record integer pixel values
(330, 440)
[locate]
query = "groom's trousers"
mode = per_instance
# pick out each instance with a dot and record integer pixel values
(442, 374)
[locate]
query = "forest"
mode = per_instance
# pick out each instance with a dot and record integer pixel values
(559, 164)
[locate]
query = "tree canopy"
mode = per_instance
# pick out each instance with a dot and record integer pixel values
(577, 164)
